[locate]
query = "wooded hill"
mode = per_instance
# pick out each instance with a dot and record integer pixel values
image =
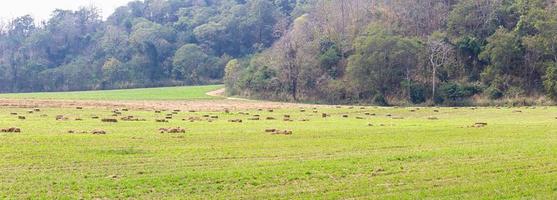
(334, 51)
(408, 51)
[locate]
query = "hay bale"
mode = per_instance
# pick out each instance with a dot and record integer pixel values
(98, 132)
(214, 117)
(270, 110)
(286, 116)
(13, 113)
(235, 121)
(397, 118)
(61, 117)
(78, 119)
(21, 117)
(436, 111)
(517, 111)
(345, 116)
(302, 110)
(270, 130)
(79, 108)
(161, 120)
(432, 118)
(324, 115)
(30, 111)
(95, 117)
(270, 118)
(304, 120)
(254, 119)
(37, 110)
(109, 120)
(157, 111)
(283, 132)
(369, 124)
(172, 130)
(359, 118)
(479, 125)
(11, 130)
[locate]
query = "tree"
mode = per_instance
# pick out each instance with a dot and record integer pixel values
(440, 53)
(189, 62)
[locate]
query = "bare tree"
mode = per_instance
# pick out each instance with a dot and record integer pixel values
(439, 54)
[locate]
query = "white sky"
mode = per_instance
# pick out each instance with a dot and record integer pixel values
(41, 9)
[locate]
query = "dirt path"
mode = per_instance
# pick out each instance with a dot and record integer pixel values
(199, 105)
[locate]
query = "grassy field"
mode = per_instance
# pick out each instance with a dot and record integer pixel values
(402, 156)
(168, 93)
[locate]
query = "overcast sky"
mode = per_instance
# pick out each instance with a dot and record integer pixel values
(41, 9)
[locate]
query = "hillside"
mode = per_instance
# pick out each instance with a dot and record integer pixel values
(143, 44)
(386, 52)
(454, 52)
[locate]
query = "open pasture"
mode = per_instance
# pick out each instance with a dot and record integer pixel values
(167, 93)
(332, 152)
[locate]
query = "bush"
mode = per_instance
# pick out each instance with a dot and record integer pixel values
(379, 99)
(494, 93)
(456, 92)
(417, 94)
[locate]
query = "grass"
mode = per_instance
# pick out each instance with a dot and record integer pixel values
(514, 157)
(168, 93)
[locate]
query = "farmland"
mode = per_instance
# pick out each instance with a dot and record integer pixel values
(333, 151)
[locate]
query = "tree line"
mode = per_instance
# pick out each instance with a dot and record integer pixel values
(407, 52)
(143, 44)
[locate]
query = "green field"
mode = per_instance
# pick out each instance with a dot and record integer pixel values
(513, 157)
(168, 93)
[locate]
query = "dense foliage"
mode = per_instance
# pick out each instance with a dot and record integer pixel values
(334, 51)
(400, 51)
(146, 43)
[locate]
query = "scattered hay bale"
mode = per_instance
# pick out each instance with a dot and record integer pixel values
(433, 118)
(79, 108)
(191, 111)
(125, 110)
(270, 110)
(95, 117)
(287, 120)
(235, 121)
(286, 116)
(206, 116)
(412, 110)
(270, 130)
(13, 113)
(338, 106)
(369, 124)
(345, 116)
(359, 117)
(214, 117)
(98, 132)
(21, 117)
(175, 113)
(397, 117)
(479, 125)
(324, 115)
(109, 120)
(37, 110)
(168, 117)
(254, 119)
(282, 132)
(270, 118)
(389, 115)
(315, 111)
(61, 118)
(226, 111)
(302, 110)
(177, 110)
(30, 111)
(157, 111)
(11, 130)
(161, 121)
(78, 119)
(517, 111)
(172, 130)
(304, 120)
(44, 115)
(436, 111)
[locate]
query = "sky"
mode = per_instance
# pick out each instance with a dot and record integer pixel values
(41, 9)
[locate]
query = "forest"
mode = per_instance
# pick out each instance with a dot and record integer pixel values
(383, 52)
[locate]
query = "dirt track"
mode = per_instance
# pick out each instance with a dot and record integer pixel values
(200, 105)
